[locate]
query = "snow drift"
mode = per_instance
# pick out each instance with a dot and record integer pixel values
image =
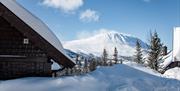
(173, 73)
(115, 78)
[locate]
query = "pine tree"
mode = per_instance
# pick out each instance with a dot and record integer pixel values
(154, 51)
(77, 59)
(80, 61)
(93, 65)
(86, 65)
(115, 55)
(104, 57)
(138, 55)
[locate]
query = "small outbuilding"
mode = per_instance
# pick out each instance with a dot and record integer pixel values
(175, 60)
(27, 45)
(176, 48)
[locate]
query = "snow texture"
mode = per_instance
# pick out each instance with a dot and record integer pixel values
(176, 44)
(166, 60)
(36, 24)
(108, 40)
(115, 78)
(142, 68)
(173, 73)
(55, 66)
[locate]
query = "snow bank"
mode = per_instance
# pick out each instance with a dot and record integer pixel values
(142, 68)
(55, 66)
(115, 78)
(173, 73)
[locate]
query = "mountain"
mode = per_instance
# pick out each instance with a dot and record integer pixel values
(70, 53)
(74, 55)
(124, 43)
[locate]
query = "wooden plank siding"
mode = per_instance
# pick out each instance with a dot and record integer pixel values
(24, 67)
(173, 65)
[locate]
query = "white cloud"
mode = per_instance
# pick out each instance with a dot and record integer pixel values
(64, 5)
(89, 16)
(86, 34)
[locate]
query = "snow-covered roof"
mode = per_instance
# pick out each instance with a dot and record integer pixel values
(36, 24)
(166, 60)
(176, 44)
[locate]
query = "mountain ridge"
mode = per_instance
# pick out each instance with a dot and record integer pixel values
(125, 43)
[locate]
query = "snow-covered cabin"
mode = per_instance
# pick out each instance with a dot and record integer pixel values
(176, 44)
(27, 45)
(176, 50)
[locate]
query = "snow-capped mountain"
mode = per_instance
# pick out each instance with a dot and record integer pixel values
(109, 40)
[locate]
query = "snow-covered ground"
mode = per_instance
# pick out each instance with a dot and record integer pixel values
(142, 68)
(116, 78)
(173, 73)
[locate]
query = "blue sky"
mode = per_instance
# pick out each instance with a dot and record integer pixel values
(70, 19)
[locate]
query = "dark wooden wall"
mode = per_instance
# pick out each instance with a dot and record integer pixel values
(16, 67)
(173, 64)
(11, 42)
(18, 59)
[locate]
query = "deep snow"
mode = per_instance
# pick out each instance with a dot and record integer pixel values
(173, 73)
(116, 78)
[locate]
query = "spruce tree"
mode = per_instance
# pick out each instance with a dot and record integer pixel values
(115, 55)
(77, 59)
(85, 63)
(155, 50)
(93, 64)
(104, 57)
(138, 55)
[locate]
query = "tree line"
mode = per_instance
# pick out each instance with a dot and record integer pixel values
(155, 52)
(85, 65)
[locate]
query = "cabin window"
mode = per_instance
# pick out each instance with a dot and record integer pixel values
(26, 41)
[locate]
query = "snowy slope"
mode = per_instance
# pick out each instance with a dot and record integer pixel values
(115, 78)
(142, 68)
(95, 44)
